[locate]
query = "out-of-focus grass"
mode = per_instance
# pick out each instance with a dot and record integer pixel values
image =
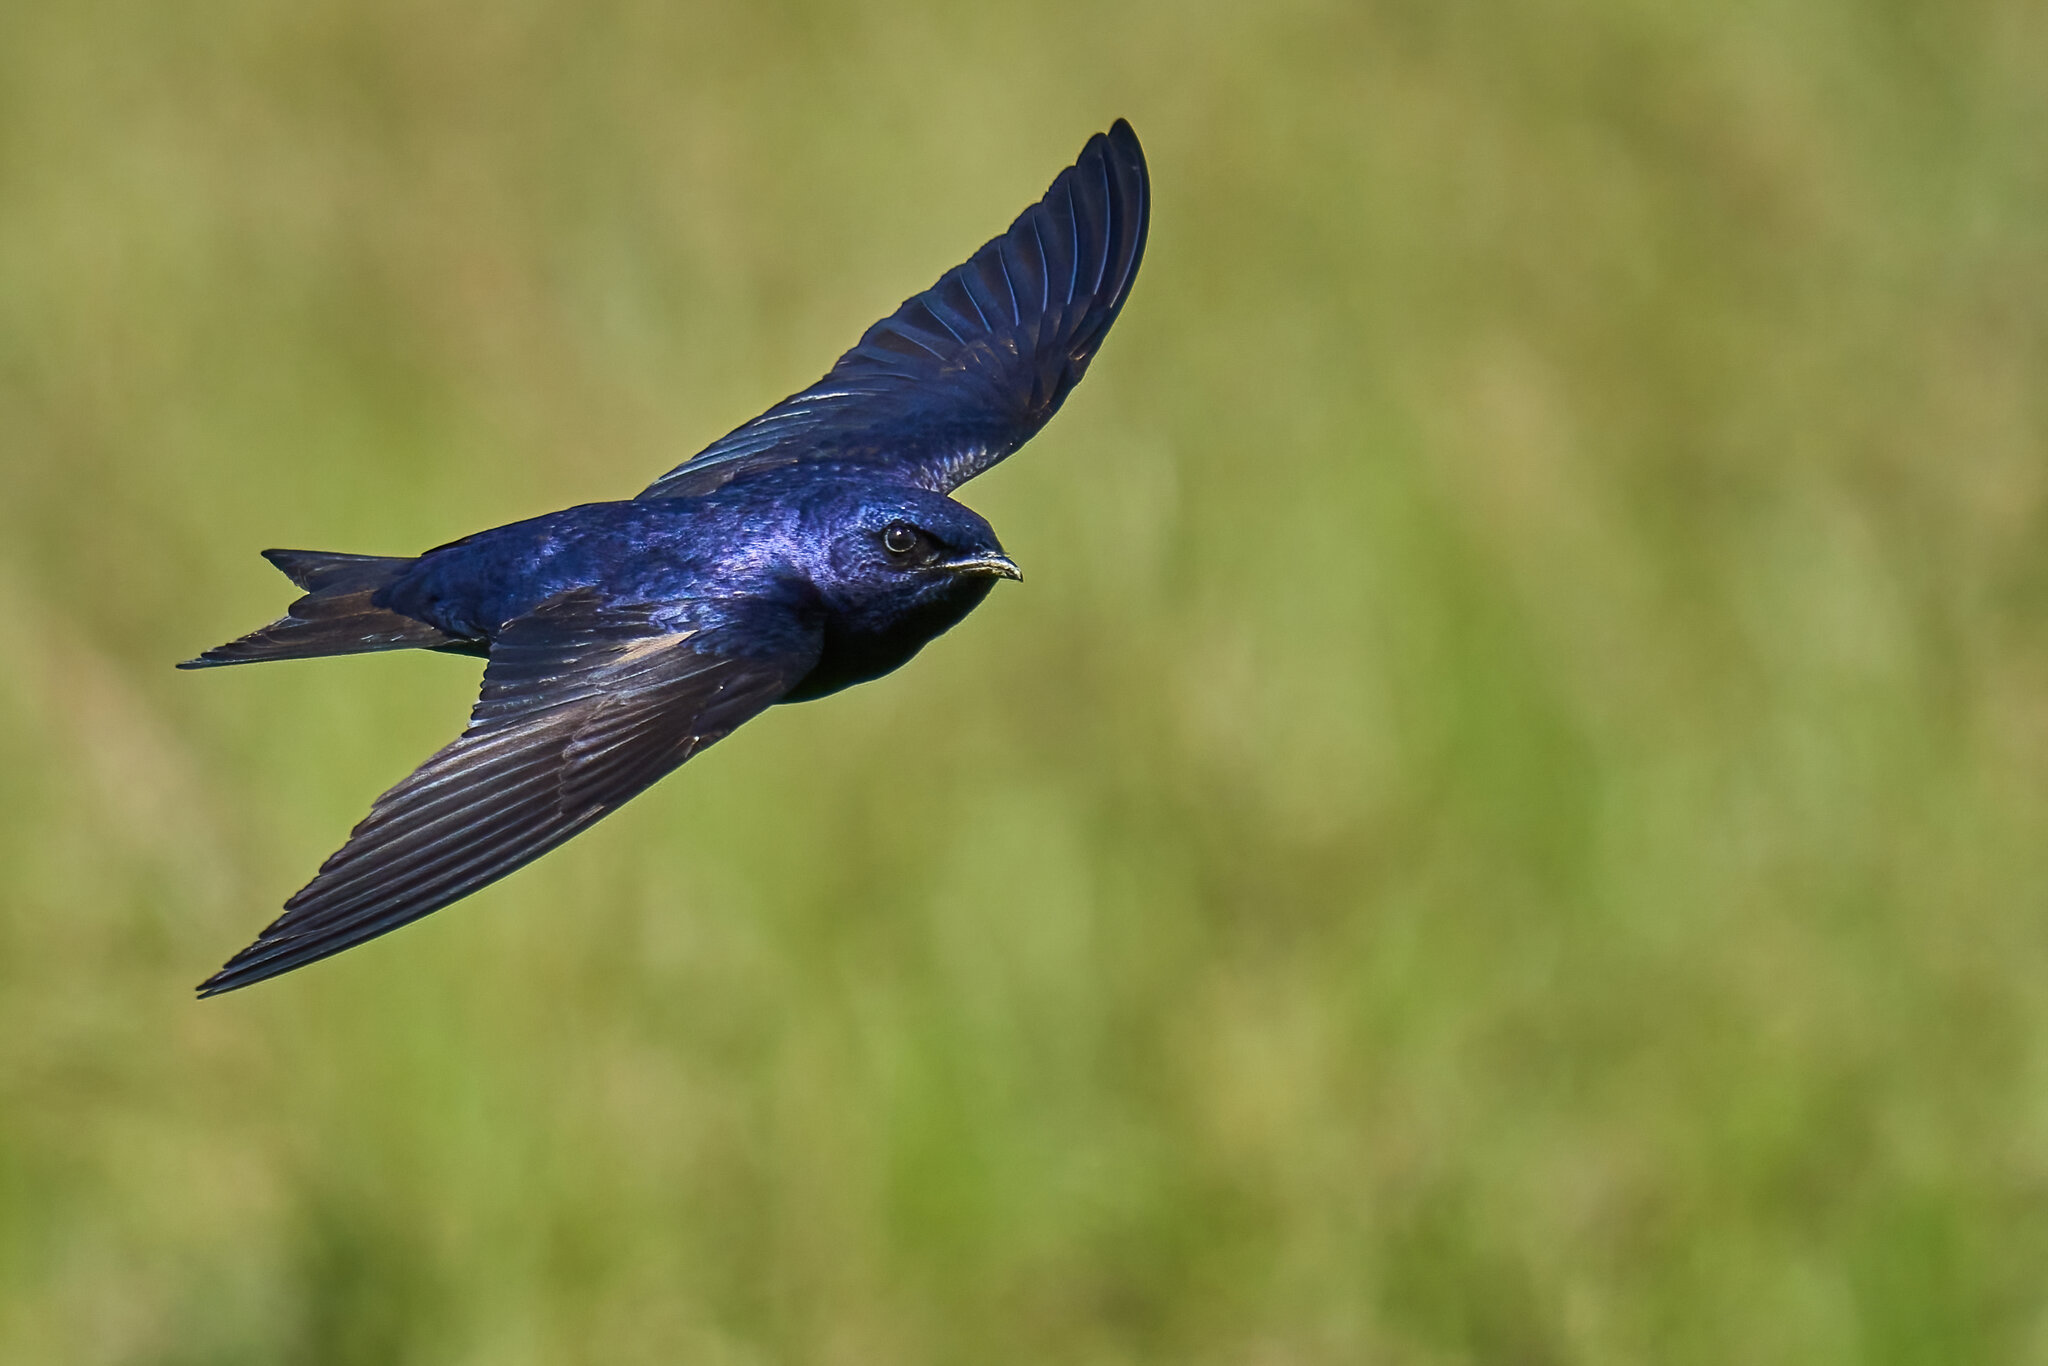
(1506, 826)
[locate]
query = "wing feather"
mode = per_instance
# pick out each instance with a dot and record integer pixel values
(966, 372)
(581, 708)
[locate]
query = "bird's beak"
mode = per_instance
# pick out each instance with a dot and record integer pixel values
(993, 563)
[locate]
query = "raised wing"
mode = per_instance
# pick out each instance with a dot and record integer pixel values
(582, 708)
(966, 372)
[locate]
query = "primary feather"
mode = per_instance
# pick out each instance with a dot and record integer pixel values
(966, 372)
(583, 706)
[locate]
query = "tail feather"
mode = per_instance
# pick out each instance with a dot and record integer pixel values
(335, 617)
(318, 570)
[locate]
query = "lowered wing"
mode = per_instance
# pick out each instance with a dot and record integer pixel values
(583, 706)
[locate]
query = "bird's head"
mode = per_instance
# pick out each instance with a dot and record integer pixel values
(911, 547)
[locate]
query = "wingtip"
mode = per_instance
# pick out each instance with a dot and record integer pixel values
(262, 960)
(235, 974)
(256, 963)
(1124, 139)
(218, 657)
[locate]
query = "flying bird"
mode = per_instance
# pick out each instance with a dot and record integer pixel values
(813, 548)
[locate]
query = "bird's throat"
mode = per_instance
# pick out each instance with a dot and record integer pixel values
(865, 644)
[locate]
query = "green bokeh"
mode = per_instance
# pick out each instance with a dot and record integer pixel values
(1508, 825)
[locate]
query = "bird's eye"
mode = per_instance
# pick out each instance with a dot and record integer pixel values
(900, 538)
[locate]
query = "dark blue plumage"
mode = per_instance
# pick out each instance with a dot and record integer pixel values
(813, 548)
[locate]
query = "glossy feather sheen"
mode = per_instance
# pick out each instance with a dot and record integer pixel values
(623, 638)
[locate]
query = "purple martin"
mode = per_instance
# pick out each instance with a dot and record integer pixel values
(813, 548)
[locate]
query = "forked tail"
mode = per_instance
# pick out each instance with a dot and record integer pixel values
(336, 617)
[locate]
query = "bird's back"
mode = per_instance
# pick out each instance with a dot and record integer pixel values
(632, 552)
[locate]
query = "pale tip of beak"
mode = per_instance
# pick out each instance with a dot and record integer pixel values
(1000, 566)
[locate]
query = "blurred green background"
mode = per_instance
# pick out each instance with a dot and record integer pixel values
(1507, 824)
